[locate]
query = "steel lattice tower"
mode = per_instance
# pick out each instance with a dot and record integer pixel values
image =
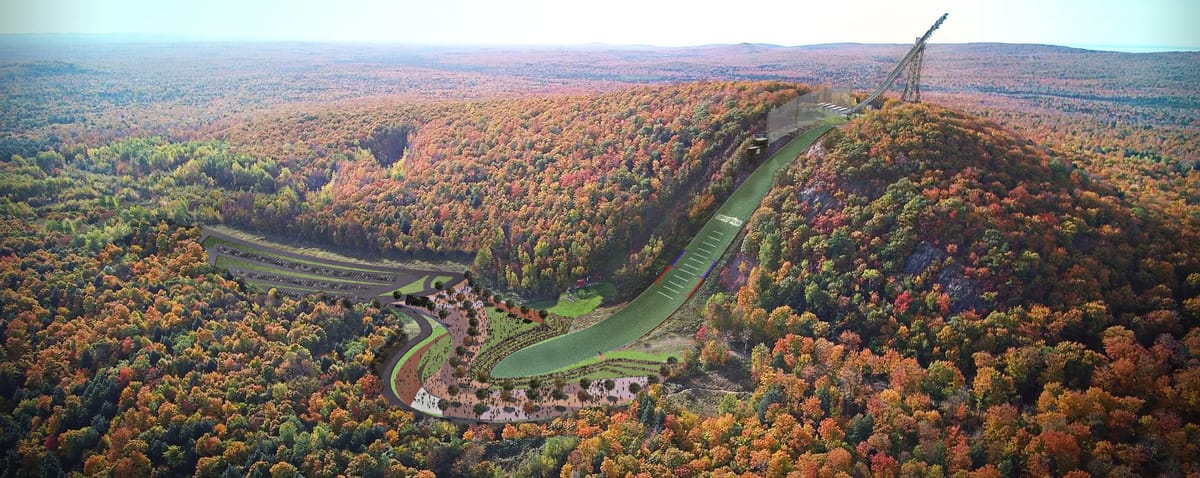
(910, 66)
(912, 80)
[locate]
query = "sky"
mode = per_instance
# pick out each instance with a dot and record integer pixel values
(1137, 25)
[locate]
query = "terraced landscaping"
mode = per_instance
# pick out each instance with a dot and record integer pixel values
(269, 266)
(501, 328)
(228, 262)
(215, 240)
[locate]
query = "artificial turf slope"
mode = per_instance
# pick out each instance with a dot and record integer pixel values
(664, 296)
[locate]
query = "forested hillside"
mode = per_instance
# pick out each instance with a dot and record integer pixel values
(1007, 284)
(125, 352)
(931, 295)
(538, 192)
(542, 191)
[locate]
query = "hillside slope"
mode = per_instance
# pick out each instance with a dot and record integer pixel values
(929, 294)
(542, 188)
(924, 203)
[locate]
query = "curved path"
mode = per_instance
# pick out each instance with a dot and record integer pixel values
(672, 288)
(423, 332)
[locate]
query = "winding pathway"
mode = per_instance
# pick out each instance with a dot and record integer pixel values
(423, 332)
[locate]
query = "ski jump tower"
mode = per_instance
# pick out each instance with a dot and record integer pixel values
(804, 111)
(911, 62)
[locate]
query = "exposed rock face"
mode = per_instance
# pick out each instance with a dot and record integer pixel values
(818, 200)
(965, 293)
(924, 255)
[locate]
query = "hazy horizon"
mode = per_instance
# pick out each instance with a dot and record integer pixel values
(178, 38)
(1120, 25)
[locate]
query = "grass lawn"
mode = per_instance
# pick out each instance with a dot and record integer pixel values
(629, 354)
(414, 286)
(620, 371)
(580, 302)
(664, 296)
(435, 357)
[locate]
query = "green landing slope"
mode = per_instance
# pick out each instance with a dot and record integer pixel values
(672, 288)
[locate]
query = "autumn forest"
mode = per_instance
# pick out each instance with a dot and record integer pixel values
(1003, 280)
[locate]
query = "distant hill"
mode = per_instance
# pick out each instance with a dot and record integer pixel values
(155, 82)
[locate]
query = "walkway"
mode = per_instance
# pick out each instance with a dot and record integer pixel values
(423, 332)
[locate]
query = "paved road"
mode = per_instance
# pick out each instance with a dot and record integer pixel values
(424, 332)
